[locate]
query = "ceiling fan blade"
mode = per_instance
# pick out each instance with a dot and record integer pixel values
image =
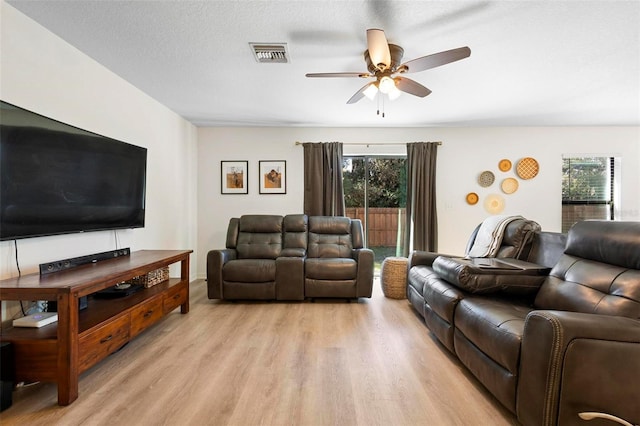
(378, 49)
(338, 74)
(435, 60)
(360, 93)
(412, 87)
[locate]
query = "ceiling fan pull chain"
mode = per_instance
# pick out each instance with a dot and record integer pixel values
(382, 105)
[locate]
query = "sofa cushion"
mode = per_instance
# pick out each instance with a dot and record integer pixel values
(259, 237)
(331, 269)
(610, 242)
(329, 237)
(249, 270)
(598, 273)
(494, 326)
(442, 297)
(582, 285)
(546, 248)
(295, 235)
(330, 224)
(259, 246)
(261, 223)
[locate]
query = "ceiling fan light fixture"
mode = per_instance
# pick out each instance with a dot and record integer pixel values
(394, 93)
(386, 85)
(371, 91)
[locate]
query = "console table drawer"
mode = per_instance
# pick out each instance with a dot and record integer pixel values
(98, 344)
(176, 296)
(146, 314)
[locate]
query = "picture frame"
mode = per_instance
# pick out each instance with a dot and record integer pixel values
(273, 177)
(234, 177)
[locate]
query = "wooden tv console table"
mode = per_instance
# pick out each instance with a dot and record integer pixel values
(59, 352)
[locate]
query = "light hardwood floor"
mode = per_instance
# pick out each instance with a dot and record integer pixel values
(325, 363)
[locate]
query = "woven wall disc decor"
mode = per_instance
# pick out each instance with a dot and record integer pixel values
(486, 178)
(472, 198)
(494, 203)
(509, 185)
(527, 168)
(504, 165)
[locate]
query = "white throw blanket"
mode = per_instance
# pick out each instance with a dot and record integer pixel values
(489, 237)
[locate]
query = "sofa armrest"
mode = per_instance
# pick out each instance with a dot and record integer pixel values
(425, 258)
(215, 261)
(576, 362)
(364, 280)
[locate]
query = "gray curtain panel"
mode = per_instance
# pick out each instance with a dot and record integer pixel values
(323, 191)
(422, 220)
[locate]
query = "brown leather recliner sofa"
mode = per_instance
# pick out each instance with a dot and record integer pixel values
(292, 257)
(558, 336)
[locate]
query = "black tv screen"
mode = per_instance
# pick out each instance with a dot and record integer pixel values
(58, 179)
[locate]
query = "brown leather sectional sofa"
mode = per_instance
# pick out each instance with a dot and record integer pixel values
(559, 335)
(293, 257)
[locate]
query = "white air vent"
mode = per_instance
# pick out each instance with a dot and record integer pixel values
(271, 53)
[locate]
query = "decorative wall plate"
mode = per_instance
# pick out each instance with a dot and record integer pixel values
(527, 168)
(486, 178)
(504, 165)
(509, 185)
(472, 198)
(494, 203)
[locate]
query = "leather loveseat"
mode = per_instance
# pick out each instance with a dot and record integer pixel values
(565, 343)
(292, 257)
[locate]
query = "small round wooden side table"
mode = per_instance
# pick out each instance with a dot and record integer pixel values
(393, 276)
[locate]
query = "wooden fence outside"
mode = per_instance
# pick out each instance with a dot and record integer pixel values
(383, 224)
(572, 213)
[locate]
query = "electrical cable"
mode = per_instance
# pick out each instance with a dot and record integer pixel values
(15, 245)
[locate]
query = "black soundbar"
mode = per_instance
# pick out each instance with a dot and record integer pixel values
(63, 265)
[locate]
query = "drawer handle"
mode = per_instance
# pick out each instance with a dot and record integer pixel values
(106, 339)
(176, 297)
(148, 313)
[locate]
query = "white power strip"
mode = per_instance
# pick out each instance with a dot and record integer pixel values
(36, 320)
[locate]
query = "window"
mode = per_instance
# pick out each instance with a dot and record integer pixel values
(588, 189)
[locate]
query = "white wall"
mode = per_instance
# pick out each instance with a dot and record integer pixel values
(44, 74)
(465, 153)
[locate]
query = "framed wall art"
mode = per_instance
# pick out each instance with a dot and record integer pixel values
(234, 177)
(273, 177)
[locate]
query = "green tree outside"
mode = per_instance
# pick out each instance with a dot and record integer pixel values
(585, 179)
(387, 182)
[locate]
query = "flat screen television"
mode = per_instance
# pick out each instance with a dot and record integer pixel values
(59, 179)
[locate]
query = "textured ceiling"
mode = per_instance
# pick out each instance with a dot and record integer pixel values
(532, 63)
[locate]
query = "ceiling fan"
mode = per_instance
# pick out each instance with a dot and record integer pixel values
(383, 62)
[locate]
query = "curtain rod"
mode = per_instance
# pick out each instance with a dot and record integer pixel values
(370, 143)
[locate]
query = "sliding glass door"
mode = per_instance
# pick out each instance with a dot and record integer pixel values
(375, 192)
